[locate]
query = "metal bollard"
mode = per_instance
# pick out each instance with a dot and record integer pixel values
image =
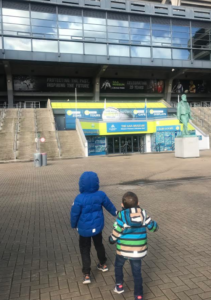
(44, 159)
(37, 160)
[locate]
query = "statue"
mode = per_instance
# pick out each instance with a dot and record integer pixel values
(184, 114)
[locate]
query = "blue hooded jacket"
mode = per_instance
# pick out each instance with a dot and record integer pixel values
(87, 210)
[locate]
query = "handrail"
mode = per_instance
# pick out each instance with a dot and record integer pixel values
(55, 127)
(37, 139)
(82, 137)
(15, 143)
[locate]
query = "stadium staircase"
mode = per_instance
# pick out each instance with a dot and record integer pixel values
(8, 119)
(70, 144)
(202, 118)
(20, 127)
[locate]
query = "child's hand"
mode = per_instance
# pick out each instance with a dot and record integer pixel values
(111, 241)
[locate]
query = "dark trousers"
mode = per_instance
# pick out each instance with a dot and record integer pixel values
(136, 270)
(85, 246)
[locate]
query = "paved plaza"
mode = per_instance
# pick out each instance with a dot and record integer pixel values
(40, 257)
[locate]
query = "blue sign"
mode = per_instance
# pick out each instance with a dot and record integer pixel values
(126, 127)
(91, 132)
(168, 128)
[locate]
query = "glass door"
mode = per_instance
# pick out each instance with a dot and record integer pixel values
(129, 144)
(135, 144)
(116, 145)
(110, 145)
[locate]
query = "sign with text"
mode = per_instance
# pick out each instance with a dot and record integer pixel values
(131, 86)
(168, 128)
(126, 126)
(48, 84)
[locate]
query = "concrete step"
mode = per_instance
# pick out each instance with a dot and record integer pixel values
(70, 144)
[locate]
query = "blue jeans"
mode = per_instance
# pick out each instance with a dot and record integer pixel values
(136, 270)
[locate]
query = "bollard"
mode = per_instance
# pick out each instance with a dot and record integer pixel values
(37, 160)
(44, 159)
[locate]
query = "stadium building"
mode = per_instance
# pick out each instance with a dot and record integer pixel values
(112, 69)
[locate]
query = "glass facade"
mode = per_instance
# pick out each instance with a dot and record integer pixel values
(77, 31)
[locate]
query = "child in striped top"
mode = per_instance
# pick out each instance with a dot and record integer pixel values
(130, 234)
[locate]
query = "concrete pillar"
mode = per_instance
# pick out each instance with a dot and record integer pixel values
(168, 89)
(9, 84)
(10, 91)
(97, 89)
(148, 146)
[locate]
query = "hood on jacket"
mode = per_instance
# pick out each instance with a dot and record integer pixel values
(134, 216)
(89, 182)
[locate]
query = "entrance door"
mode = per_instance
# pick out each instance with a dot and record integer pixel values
(129, 144)
(110, 145)
(60, 122)
(135, 144)
(116, 145)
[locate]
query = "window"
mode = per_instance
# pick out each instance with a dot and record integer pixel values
(117, 29)
(95, 49)
(71, 47)
(65, 25)
(44, 30)
(44, 23)
(44, 16)
(95, 34)
(117, 50)
(139, 25)
(45, 46)
(140, 52)
(201, 55)
(141, 39)
(73, 19)
(179, 42)
(11, 43)
(139, 31)
(181, 54)
(90, 20)
(118, 23)
(162, 53)
(17, 28)
(94, 27)
(16, 20)
(15, 12)
(69, 32)
(118, 36)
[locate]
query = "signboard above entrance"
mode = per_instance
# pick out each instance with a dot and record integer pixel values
(150, 86)
(126, 126)
(48, 84)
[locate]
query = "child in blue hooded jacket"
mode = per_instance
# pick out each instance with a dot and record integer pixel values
(87, 216)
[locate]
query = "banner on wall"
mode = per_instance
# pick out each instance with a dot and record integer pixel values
(112, 113)
(48, 84)
(131, 86)
(190, 87)
(96, 145)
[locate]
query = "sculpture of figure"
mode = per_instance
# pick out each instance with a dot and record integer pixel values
(184, 113)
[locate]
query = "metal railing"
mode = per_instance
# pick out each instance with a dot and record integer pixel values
(16, 132)
(28, 104)
(2, 115)
(15, 143)
(82, 137)
(37, 138)
(55, 127)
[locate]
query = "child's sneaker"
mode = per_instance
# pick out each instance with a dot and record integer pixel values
(87, 279)
(139, 298)
(102, 268)
(119, 289)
